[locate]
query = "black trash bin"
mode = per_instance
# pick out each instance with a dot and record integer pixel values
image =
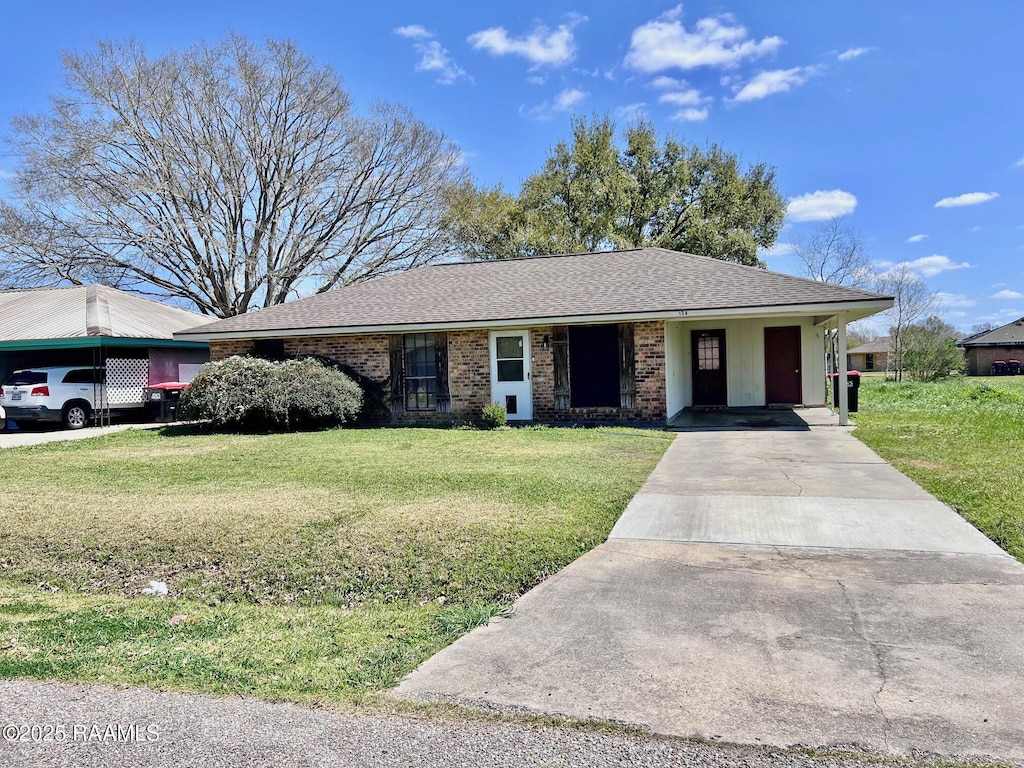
(1013, 367)
(999, 368)
(162, 400)
(852, 388)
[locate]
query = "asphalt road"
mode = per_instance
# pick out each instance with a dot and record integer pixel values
(186, 730)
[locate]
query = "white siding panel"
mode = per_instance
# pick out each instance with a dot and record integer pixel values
(744, 359)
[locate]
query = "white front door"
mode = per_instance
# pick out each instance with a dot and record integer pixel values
(510, 373)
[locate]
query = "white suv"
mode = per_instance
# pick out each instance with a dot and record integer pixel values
(65, 394)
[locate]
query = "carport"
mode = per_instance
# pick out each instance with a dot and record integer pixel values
(102, 328)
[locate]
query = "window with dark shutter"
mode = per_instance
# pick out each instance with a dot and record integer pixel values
(627, 367)
(560, 351)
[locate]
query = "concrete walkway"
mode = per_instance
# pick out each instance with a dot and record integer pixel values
(776, 587)
(22, 437)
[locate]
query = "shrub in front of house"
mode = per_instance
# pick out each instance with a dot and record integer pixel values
(252, 394)
(306, 394)
(493, 416)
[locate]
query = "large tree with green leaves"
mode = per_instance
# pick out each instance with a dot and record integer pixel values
(596, 193)
(232, 175)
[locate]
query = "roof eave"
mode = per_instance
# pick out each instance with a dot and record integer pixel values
(853, 309)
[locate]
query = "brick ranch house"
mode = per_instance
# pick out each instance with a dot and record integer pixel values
(982, 349)
(633, 335)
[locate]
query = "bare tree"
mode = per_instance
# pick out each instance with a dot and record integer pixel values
(233, 176)
(834, 253)
(912, 302)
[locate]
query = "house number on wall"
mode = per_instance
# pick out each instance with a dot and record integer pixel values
(684, 312)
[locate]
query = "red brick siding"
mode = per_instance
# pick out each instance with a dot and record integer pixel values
(649, 344)
(469, 371)
(221, 350)
(649, 349)
(980, 359)
(368, 354)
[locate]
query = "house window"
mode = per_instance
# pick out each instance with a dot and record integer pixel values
(420, 358)
(708, 354)
(869, 362)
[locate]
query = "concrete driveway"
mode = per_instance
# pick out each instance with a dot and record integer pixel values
(778, 587)
(40, 436)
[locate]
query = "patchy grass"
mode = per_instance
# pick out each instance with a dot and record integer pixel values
(962, 439)
(306, 566)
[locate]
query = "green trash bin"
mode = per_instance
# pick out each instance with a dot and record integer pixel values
(852, 389)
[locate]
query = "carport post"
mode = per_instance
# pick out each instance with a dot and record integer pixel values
(841, 379)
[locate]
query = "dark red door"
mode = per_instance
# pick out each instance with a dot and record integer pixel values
(782, 382)
(709, 382)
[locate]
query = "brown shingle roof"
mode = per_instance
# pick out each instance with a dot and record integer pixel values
(1009, 335)
(607, 283)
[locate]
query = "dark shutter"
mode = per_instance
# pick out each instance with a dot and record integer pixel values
(397, 374)
(627, 367)
(444, 398)
(560, 349)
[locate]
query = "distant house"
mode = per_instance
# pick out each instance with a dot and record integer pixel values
(983, 349)
(96, 326)
(870, 356)
(620, 335)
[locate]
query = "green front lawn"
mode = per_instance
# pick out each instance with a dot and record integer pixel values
(307, 566)
(962, 439)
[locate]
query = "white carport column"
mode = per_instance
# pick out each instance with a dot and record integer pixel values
(841, 379)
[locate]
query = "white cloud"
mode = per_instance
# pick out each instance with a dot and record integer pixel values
(665, 43)
(690, 115)
(779, 249)
(775, 81)
(630, 112)
(970, 198)
(1020, 163)
(916, 238)
(820, 205)
(434, 57)
(1007, 295)
(852, 53)
(568, 99)
(929, 266)
(954, 299)
(666, 83)
(689, 98)
(543, 46)
(414, 31)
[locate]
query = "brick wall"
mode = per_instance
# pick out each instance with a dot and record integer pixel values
(368, 354)
(649, 344)
(649, 350)
(469, 371)
(221, 350)
(980, 359)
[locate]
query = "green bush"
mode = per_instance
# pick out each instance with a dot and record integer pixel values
(250, 393)
(493, 416)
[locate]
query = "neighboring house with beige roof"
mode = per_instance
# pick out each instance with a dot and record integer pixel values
(870, 356)
(982, 350)
(634, 335)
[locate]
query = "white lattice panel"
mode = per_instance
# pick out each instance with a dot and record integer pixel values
(126, 380)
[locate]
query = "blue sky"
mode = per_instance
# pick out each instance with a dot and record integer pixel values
(907, 116)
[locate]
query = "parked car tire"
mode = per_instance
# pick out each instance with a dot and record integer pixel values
(75, 415)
